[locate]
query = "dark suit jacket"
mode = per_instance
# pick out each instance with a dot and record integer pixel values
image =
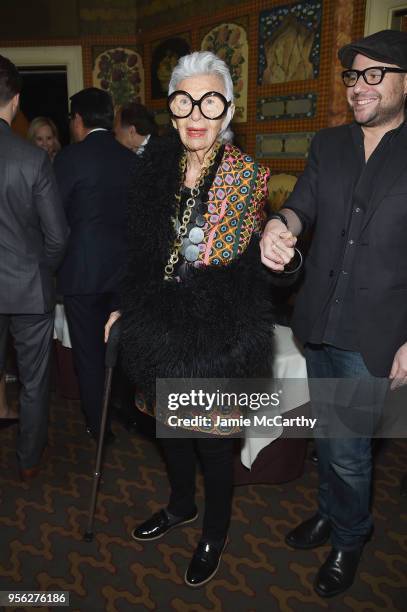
(33, 229)
(323, 197)
(94, 177)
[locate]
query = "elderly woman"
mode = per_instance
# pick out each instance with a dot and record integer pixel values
(43, 132)
(195, 302)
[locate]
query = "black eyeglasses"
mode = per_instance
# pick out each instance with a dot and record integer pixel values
(213, 105)
(371, 76)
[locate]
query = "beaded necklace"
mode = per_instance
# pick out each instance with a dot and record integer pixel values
(181, 225)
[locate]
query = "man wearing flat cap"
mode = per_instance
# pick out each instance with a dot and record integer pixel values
(351, 311)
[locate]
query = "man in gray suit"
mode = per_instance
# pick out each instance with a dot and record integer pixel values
(33, 234)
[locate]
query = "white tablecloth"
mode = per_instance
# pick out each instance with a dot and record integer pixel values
(61, 331)
(288, 363)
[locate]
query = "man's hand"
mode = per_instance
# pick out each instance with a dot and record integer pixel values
(112, 319)
(398, 373)
(277, 245)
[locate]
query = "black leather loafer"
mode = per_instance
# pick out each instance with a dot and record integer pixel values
(204, 564)
(310, 534)
(314, 457)
(337, 573)
(159, 524)
(29, 473)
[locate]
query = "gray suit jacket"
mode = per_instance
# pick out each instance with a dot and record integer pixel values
(33, 228)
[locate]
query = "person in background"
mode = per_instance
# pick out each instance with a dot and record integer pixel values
(43, 132)
(33, 236)
(93, 175)
(351, 311)
(134, 126)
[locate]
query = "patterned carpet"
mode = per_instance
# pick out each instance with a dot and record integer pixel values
(42, 525)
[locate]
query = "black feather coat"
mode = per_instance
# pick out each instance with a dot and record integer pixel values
(217, 323)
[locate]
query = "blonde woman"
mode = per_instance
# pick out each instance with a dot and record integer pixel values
(43, 132)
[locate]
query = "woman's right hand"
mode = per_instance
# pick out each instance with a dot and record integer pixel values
(112, 319)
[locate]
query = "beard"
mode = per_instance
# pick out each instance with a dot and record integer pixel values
(382, 114)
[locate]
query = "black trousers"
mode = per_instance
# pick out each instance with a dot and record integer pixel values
(216, 456)
(87, 316)
(32, 336)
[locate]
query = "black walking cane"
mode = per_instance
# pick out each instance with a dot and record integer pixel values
(112, 350)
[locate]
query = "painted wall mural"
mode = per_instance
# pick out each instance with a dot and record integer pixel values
(120, 72)
(164, 56)
(338, 112)
(105, 17)
(229, 42)
(289, 42)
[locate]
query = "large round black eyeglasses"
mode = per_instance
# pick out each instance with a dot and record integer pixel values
(213, 105)
(371, 76)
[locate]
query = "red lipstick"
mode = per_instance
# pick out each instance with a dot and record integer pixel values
(196, 132)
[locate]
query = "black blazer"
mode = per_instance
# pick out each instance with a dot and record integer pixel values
(94, 177)
(323, 197)
(33, 229)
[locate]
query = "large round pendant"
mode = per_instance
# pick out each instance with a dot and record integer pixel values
(191, 252)
(185, 245)
(196, 235)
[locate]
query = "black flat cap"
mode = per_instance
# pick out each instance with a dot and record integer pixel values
(388, 46)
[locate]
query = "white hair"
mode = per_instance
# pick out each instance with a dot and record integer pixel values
(206, 62)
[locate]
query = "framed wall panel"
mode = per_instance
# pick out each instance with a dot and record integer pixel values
(119, 71)
(289, 42)
(287, 145)
(296, 106)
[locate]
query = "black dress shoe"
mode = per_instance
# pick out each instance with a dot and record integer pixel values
(310, 534)
(160, 523)
(204, 563)
(314, 457)
(337, 573)
(27, 474)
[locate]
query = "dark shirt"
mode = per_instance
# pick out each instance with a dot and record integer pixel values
(336, 325)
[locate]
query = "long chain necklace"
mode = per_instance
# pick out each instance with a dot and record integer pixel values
(189, 206)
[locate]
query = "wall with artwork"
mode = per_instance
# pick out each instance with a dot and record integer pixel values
(283, 60)
(282, 55)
